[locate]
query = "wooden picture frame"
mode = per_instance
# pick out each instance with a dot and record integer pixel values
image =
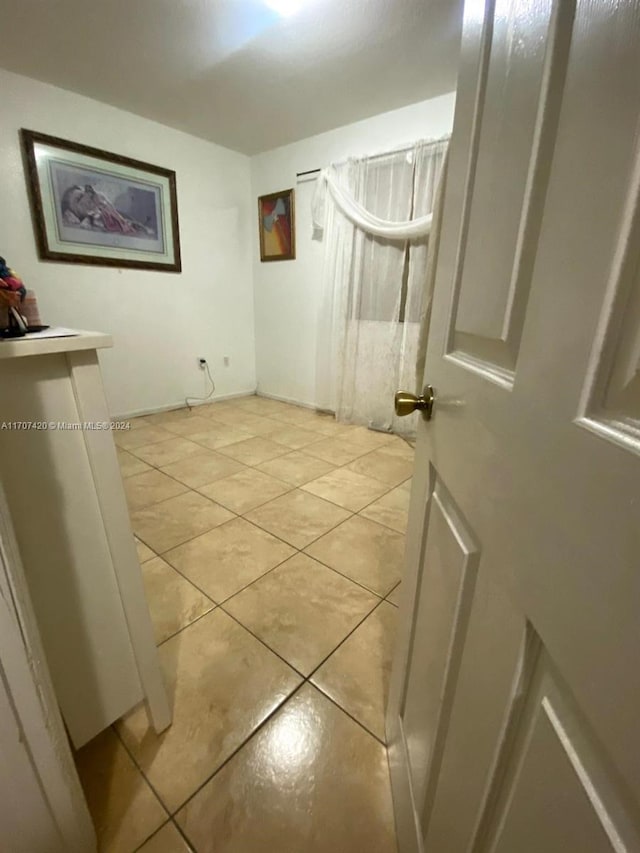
(277, 226)
(91, 206)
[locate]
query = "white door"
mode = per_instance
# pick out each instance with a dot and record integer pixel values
(514, 716)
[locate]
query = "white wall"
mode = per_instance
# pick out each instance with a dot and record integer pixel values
(287, 292)
(161, 322)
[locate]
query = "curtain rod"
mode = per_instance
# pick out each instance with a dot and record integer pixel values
(382, 154)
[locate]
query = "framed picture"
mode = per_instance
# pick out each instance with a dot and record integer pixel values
(276, 221)
(93, 207)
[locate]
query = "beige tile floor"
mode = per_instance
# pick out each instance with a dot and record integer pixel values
(270, 540)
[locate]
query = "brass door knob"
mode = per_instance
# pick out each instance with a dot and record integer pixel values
(406, 403)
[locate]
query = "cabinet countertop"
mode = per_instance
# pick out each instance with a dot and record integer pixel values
(68, 340)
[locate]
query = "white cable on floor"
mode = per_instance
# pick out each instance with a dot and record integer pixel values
(209, 395)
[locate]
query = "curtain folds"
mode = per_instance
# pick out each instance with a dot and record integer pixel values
(374, 283)
(360, 216)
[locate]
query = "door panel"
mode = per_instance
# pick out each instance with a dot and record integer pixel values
(524, 50)
(514, 80)
(554, 768)
(527, 732)
(611, 397)
(447, 580)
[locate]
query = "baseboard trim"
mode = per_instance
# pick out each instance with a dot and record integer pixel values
(291, 400)
(171, 407)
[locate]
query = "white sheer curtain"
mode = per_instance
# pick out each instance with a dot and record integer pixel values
(373, 287)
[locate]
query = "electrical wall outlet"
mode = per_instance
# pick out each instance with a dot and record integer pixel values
(226, 361)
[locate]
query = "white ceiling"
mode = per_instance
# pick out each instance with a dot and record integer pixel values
(235, 71)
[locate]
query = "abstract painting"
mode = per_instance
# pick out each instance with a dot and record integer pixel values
(93, 207)
(276, 221)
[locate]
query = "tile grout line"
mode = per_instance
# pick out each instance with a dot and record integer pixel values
(228, 598)
(182, 834)
(255, 732)
(238, 748)
(132, 757)
(347, 713)
(386, 598)
(388, 490)
(268, 571)
(203, 447)
(304, 554)
(263, 643)
(288, 450)
(299, 487)
(193, 621)
(197, 489)
(187, 487)
(236, 403)
(254, 466)
(251, 521)
(160, 425)
(255, 524)
(233, 753)
(342, 574)
(305, 679)
(345, 638)
(162, 554)
(350, 514)
(169, 822)
(277, 709)
(220, 605)
(293, 487)
(170, 815)
(242, 589)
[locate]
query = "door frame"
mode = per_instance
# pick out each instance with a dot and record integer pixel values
(43, 802)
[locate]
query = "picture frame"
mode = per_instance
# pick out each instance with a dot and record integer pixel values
(91, 206)
(276, 226)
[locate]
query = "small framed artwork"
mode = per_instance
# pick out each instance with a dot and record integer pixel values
(276, 221)
(93, 207)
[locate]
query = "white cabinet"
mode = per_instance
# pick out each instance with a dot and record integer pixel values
(67, 503)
